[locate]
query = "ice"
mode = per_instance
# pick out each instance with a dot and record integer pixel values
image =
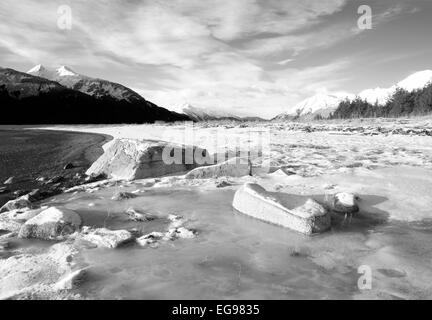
(235, 167)
(51, 224)
(130, 159)
(234, 256)
(297, 213)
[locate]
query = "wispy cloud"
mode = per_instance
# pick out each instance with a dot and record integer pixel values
(210, 53)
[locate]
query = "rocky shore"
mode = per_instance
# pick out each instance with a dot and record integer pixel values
(41, 163)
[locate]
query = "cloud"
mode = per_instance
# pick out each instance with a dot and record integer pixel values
(240, 53)
(284, 62)
(248, 89)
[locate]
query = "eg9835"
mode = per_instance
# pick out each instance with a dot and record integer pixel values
(242, 309)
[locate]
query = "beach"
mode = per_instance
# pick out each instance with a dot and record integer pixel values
(28, 155)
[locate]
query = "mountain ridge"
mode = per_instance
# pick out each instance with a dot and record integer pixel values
(96, 87)
(312, 107)
(31, 99)
(198, 114)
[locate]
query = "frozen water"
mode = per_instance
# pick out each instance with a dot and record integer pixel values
(235, 256)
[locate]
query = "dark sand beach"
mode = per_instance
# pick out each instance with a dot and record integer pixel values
(29, 155)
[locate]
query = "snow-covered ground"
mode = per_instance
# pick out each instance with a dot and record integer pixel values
(234, 256)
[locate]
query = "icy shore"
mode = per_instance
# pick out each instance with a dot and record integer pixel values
(221, 253)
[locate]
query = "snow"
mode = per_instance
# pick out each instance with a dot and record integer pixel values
(237, 257)
(307, 154)
(201, 114)
(413, 82)
(416, 81)
(324, 103)
(317, 102)
(321, 103)
(41, 71)
(106, 238)
(36, 275)
(36, 68)
(65, 71)
(52, 74)
(51, 224)
(380, 95)
(92, 86)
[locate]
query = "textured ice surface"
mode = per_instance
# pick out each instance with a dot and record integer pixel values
(235, 256)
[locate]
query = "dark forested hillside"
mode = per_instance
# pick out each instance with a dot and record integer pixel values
(401, 104)
(27, 99)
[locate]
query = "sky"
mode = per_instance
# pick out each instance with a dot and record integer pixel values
(247, 57)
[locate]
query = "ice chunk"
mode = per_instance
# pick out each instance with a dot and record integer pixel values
(128, 159)
(51, 224)
(298, 213)
(103, 237)
(20, 203)
(345, 202)
(235, 167)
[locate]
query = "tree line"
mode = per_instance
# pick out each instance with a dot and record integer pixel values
(402, 103)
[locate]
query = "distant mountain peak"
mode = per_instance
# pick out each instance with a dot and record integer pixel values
(416, 81)
(44, 72)
(325, 103)
(204, 114)
(64, 71)
(41, 71)
(98, 88)
(321, 103)
(37, 68)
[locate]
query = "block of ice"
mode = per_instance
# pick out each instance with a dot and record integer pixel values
(295, 212)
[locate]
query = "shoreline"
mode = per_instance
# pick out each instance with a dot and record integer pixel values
(42, 158)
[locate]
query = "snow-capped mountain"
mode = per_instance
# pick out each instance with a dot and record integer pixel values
(205, 114)
(34, 99)
(416, 81)
(21, 85)
(41, 71)
(324, 104)
(27, 99)
(377, 95)
(92, 86)
(321, 104)
(413, 82)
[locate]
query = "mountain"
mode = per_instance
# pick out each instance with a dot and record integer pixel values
(323, 105)
(318, 105)
(198, 114)
(98, 88)
(410, 97)
(212, 114)
(413, 82)
(205, 114)
(416, 81)
(377, 95)
(29, 99)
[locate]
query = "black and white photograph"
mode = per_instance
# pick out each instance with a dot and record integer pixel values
(216, 150)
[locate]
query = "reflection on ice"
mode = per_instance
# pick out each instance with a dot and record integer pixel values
(232, 255)
(238, 257)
